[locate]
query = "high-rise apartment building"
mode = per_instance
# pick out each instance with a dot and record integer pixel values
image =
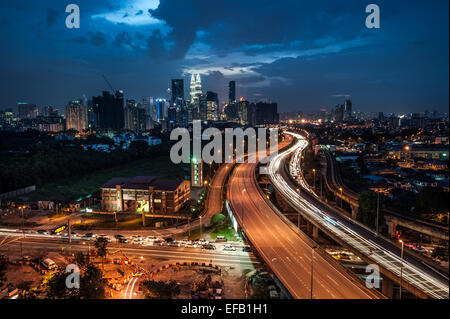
(76, 116)
(109, 108)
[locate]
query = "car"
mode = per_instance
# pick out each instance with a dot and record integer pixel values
(229, 248)
(168, 239)
(174, 244)
(118, 236)
(221, 239)
(247, 248)
(122, 240)
(209, 246)
(73, 234)
(151, 238)
(106, 237)
(42, 231)
(90, 235)
(158, 242)
(48, 264)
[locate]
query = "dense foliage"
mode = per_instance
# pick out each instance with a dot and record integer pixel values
(32, 158)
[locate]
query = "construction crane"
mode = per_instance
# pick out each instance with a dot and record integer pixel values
(106, 80)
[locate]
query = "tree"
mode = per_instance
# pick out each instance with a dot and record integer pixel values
(367, 212)
(3, 266)
(432, 200)
(92, 284)
(101, 244)
(160, 290)
(139, 147)
(217, 219)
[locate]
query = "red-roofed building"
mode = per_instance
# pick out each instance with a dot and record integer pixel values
(149, 193)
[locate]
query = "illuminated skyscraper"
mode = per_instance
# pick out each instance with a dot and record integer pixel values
(76, 116)
(196, 88)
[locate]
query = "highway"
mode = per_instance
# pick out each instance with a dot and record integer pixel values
(220, 258)
(286, 253)
(214, 198)
(366, 242)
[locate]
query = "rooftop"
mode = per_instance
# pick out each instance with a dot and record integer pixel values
(143, 182)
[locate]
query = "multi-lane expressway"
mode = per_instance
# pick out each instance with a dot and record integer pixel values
(368, 244)
(220, 258)
(286, 252)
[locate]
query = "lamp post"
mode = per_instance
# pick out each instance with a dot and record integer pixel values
(200, 227)
(189, 227)
(314, 171)
(23, 231)
(401, 270)
(312, 269)
(340, 188)
(378, 210)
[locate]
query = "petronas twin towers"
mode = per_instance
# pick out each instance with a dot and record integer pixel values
(196, 88)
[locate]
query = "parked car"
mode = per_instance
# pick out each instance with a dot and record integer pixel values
(221, 239)
(48, 264)
(106, 237)
(229, 248)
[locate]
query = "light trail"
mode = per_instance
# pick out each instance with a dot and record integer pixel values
(345, 229)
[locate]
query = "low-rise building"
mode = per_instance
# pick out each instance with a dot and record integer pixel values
(149, 193)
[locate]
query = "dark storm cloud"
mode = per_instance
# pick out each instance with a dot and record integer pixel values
(95, 38)
(296, 52)
(52, 17)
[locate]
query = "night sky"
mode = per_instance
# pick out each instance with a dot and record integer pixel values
(305, 55)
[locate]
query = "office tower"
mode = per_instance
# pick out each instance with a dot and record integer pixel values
(338, 113)
(109, 108)
(212, 106)
(242, 107)
(172, 114)
(92, 115)
(134, 117)
(177, 96)
(196, 88)
(76, 116)
(202, 107)
(347, 109)
(251, 114)
(49, 111)
(27, 110)
(380, 116)
(146, 105)
(267, 113)
(232, 92)
(197, 172)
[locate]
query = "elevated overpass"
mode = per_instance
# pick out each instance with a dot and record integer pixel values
(410, 273)
(334, 183)
(289, 253)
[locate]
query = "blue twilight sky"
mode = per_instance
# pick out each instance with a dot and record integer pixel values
(303, 54)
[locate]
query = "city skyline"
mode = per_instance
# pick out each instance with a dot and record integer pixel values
(310, 56)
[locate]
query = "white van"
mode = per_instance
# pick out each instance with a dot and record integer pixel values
(48, 264)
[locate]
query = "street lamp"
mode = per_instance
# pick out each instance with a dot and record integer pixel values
(340, 188)
(200, 227)
(378, 209)
(314, 171)
(401, 271)
(312, 269)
